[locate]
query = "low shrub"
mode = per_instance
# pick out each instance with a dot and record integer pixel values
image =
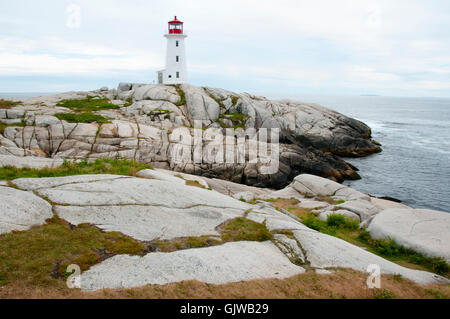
(81, 118)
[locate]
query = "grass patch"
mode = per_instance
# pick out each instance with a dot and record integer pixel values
(184, 243)
(328, 199)
(82, 118)
(89, 103)
(241, 228)
(345, 284)
(289, 204)
(99, 166)
(340, 221)
(348, 229)
(40, 255)
(3, 126)
(389, 249)
(7, 104)
(383, 294)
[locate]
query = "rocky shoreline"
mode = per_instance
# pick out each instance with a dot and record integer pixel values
(183, 214)
(141, 121)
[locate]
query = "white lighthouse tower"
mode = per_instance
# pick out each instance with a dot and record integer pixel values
(176, 70)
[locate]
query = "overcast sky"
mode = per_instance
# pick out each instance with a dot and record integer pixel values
(397, 48)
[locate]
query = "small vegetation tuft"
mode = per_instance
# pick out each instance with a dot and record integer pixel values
(241, 228)
(238, 120)
(340, 221)
(194, 183)
(180, 92)
(82, 118)
(3, 126)
(237, 229)
(99, 166)
(90, 103)
(7, 104)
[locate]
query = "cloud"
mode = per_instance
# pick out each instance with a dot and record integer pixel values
(344, 45)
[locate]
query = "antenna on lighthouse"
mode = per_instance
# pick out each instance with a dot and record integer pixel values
(176, 68)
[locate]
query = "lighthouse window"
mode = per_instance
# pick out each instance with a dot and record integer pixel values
(178, 58)
(178, 75)
(170, 76)
(176, 43)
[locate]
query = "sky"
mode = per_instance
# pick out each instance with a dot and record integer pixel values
(385, 47)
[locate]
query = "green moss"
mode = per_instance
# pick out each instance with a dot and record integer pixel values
(88, 104)
(99, 166)
(81, 118)
(239, 120)
(180, 92)
(215, 99)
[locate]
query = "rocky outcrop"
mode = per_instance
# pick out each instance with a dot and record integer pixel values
(158, 126)
(162, 206)
(423, 230)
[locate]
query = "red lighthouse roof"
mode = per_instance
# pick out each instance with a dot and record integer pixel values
(175, 26)
(175, 21)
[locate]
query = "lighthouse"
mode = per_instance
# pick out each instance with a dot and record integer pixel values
(176, 69)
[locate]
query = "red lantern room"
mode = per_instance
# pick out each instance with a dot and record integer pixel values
(175, 26)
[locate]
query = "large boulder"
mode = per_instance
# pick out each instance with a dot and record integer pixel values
(423, 230)
(310, 140)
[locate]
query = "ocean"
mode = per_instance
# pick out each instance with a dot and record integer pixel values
(414, 165)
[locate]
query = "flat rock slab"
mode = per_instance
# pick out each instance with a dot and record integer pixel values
(306, 183)
(363, 208)
(385, 204)
(19, 210)
(312, 204)
(150, 222)
(324, 251)
(186, 177)
(49, 182)
(138, 191)
(230, 188)
(150, 173)
(29, 161)
(423, 230)
(324, 215)
(274, 220)
(231, 262)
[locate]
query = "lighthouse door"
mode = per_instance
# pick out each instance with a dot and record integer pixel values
(160, 77)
